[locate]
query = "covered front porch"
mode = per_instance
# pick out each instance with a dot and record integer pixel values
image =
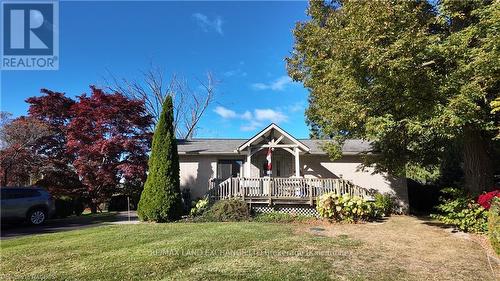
(273, 190)
(251, 178)
(284, 150)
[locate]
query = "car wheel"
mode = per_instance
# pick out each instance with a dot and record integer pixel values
(37, 216)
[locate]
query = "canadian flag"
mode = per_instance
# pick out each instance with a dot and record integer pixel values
(269, 163)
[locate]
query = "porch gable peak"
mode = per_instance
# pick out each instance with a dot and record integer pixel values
(273, 136)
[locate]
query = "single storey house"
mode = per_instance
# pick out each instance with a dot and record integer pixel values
(273, 167)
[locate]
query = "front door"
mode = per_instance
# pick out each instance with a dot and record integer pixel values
(278, 164)
(287, 166)
(282, 165)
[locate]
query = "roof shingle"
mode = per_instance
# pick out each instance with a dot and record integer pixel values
(228, 146)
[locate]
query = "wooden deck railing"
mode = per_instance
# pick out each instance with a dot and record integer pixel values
(285, 189)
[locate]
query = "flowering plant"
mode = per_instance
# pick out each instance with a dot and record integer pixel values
(346, 208)
(485, 199)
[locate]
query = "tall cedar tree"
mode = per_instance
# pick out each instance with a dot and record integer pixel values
(161, 197)
(411, 76)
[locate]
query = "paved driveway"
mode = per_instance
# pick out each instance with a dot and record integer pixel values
(57, 225)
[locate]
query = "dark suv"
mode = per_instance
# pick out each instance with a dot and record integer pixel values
(26, 203)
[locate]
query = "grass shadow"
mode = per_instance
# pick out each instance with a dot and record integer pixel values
(12, 230)
(427, 220)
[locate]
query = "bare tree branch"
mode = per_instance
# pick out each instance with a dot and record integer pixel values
(200, 104)
(189, 105)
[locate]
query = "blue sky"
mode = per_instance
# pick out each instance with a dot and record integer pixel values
(242, 43)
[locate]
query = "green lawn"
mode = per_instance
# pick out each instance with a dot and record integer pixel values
(402, 248)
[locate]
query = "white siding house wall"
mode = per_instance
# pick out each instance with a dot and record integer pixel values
(350, 168)
(196, 170)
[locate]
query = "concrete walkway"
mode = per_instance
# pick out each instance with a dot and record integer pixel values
(126, 218)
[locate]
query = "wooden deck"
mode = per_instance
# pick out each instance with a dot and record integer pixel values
(296, 191)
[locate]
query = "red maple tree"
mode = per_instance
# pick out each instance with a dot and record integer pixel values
(59, 175)
(109, 139)
(90, 148)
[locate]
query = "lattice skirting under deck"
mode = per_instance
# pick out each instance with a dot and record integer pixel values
(290, 209)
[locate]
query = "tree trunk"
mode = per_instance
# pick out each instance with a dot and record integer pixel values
(5, 176)
(478, 166)
(93, 207)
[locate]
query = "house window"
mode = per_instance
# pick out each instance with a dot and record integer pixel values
(278, 168)
(229, 168)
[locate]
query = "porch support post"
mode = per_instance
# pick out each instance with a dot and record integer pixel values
(297, 162)
(248, 163)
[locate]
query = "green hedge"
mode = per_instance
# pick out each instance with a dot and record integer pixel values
(494, 224)
(384, 203)
(226, 210)
(462, 211)
(66, 206)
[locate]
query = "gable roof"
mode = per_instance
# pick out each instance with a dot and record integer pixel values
(208, 146)
(229, 146)
(266, 132)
